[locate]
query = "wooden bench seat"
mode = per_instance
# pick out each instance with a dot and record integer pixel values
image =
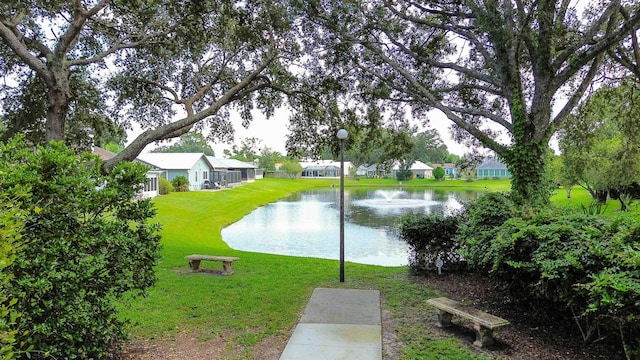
(227, 262)
(484, 323)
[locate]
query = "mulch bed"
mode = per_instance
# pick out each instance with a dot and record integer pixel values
(530, 335)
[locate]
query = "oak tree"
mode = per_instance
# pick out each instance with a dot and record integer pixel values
(516, 68)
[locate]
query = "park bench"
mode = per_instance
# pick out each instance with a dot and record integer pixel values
(227, 262)
(484, 323)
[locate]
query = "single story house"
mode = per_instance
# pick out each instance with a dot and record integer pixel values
(418, 168)
(450, 169)
(230, 172)
(194, 166)
(323, 168)
(150, 188)
(492, 168)
(373, 170)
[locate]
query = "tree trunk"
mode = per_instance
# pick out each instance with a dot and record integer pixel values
(59, 96)
(601, 196)
(529, 183)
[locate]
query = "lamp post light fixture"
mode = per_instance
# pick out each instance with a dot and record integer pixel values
(342, 134)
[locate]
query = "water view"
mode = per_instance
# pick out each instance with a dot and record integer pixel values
(308, 224)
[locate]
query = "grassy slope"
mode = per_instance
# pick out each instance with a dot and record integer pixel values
(267, 293)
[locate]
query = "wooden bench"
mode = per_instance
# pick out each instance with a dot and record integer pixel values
(227, 262)
(484, 323)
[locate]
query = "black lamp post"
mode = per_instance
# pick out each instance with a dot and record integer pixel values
(342, 134)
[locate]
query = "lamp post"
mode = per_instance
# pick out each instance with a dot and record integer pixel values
(342, 134)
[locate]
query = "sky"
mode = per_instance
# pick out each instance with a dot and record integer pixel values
(273, 133)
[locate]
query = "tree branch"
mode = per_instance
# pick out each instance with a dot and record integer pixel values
(577, 95)
(601, 46)
(13, 38)
(178, 127)
(79, 18)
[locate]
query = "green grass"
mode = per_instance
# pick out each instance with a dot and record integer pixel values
(581, 198)
(267, 293)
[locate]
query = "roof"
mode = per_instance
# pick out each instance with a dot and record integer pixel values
(103, 153)
(417, 165)
(319, 163)
(171, 161)
(323, 164)
(444, 166)
(492, 163)
(321, 167)
(218, 163)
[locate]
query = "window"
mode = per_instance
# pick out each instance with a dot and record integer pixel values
(196, 176)
(205, 175)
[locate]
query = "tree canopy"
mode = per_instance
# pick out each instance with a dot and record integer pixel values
(492, 67)
(190, 142)
(171, 66)
(599, 145)
(506, 74)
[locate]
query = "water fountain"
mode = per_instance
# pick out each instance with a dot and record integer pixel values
(393, 198)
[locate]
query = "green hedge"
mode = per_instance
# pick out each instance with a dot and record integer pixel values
(430, 238)
(85, 242)
(588, 265)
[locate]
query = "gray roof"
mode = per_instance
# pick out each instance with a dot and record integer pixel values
(103, 153)
(171, 161)
(492, 163)
(219, 163)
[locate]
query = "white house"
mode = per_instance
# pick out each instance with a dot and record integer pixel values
(150, 188)
(230, 172)
(373, 170)
(194, 166)
(418, 168)
(323, 168)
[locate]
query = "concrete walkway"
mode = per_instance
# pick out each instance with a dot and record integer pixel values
(338, 324)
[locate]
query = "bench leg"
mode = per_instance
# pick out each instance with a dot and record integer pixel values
(194, 265)
(444, 319)
(484, 336)
(227, 267)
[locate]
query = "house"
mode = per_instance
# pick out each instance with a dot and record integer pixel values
(492, 168)
(370, 171)
(194, 166)
(323, 168)
(231, 172)
(418, 168)
(150, 188)
(450, 169)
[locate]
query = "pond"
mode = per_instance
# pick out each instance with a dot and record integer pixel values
(307, 224)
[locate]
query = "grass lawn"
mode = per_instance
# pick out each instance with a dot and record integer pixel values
(267, 293)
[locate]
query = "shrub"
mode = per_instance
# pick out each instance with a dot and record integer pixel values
(11, 226)
(164, 186)
(479, 226)
(403, 175)
(87, 244)
(291, 168)
(180, 183)
(588, 264)
(438, 173)
(430, 238)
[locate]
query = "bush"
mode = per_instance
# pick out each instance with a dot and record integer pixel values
(180, 183)
(430, 238)
(11, 225)
(88, 242)
(587, 264)
(164, 186)
(291, 168)
(403, 175)
(438, 174)
(480, 225)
